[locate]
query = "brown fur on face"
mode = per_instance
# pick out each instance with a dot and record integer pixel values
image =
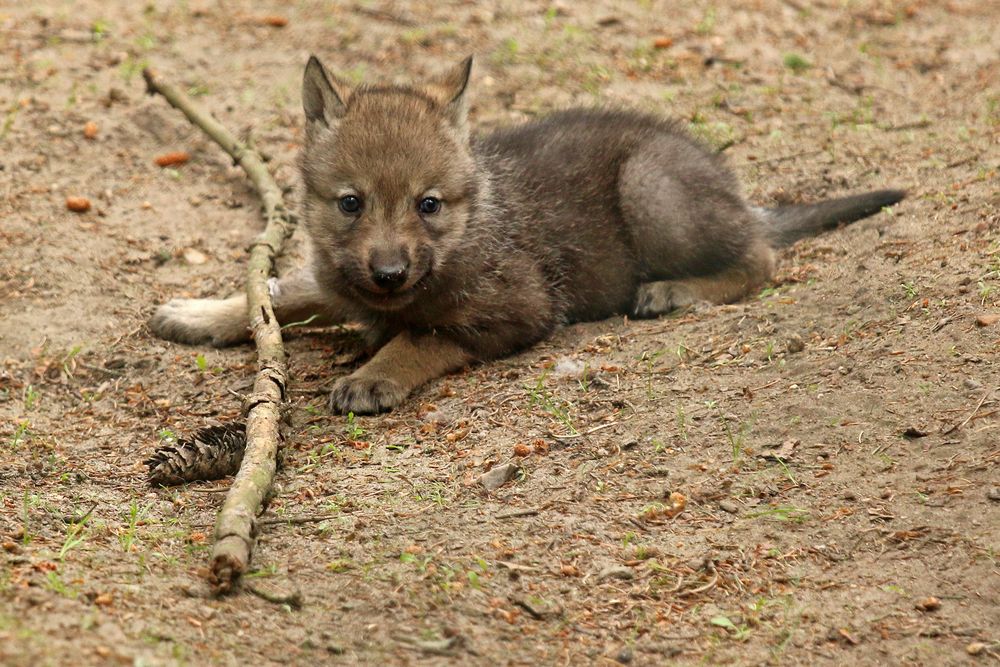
(578, 216)
(390, 147)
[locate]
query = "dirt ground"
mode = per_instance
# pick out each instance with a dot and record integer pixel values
(834, 438)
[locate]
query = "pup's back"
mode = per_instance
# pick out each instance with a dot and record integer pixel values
(608, 199)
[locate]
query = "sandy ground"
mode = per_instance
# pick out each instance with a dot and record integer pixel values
(835, 438)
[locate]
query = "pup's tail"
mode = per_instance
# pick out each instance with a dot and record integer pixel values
(785, 225)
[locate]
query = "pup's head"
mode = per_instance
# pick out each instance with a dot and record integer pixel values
(389, 182)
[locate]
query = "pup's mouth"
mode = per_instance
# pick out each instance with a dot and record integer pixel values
(390, 299)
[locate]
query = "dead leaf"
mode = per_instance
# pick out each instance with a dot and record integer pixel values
(975, 648)
(929, 603)
(678, 503)
(847, 636)
(782, 453)
(904, 535)
(458, 434)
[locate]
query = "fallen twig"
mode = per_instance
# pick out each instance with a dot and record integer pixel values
(82, 519)
(701, 589)
(515, 567)
(972, 414)
(442, 647)
(573, 436)
(235, 529)
(782, 158)
(533, 511)
(293, 599)
(384, 15)
(913, 125)
(964, 160)
(297, 520)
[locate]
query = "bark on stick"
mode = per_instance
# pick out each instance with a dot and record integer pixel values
(235, 528)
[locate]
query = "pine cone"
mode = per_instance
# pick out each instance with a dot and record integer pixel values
(213, 453)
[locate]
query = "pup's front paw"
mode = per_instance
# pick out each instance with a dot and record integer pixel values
(363, 395)
(219, 322)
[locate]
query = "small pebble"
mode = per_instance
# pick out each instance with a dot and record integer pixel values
(795, 343)
(994, 493)
(624, 656)
(499, 475)
(192, 256)
(971, 384)
(729, 506)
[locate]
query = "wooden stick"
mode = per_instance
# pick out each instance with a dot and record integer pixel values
(235, 528)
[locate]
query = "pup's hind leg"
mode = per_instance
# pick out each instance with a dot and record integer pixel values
(221, 322)
(693, 235)
(726, 286)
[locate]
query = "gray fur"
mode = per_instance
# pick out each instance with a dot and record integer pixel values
(785, 225)
(578, 216)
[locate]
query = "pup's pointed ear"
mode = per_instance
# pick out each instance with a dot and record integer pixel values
(323, 95)
(449, 90)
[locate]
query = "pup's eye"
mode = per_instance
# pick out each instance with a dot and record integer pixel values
(350, 204)
(429, 205)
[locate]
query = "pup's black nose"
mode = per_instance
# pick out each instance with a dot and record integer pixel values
(389, 276)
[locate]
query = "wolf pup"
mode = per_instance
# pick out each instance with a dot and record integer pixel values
(451, 250)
